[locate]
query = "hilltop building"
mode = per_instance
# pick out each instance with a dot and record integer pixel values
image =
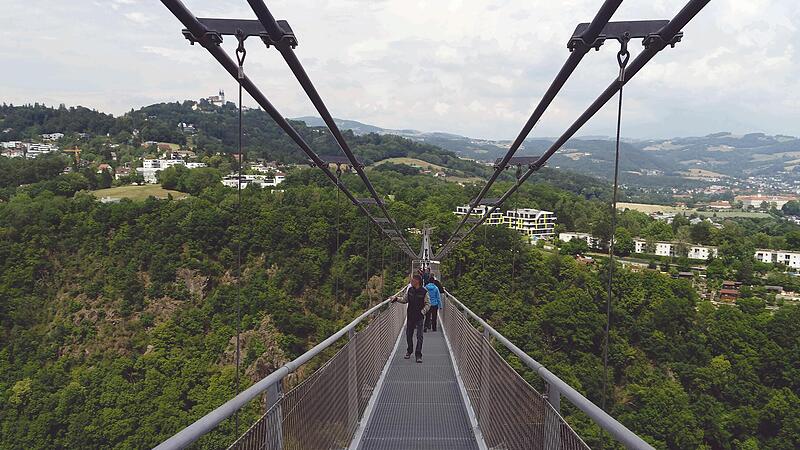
(217, 100)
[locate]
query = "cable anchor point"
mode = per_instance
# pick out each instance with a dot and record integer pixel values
(241, 52)
(623, 56)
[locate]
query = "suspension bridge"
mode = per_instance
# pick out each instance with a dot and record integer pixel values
(464, 395)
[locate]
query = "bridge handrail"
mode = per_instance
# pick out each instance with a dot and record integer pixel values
(208, 422)
(556, 387)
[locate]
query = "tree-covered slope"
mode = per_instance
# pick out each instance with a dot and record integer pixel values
(684, 374)
(117, 320)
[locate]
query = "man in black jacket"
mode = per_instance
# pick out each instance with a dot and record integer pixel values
(419, 303)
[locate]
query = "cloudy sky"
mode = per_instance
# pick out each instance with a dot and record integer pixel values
(472, 67)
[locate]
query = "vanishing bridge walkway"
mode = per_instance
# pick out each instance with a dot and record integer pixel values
(367, 396)
(464, 395)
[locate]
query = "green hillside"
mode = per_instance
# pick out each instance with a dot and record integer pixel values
(117, 320)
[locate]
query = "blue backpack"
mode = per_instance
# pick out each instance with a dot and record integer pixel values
(433, 293)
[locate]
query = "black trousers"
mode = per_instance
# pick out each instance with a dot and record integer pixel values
(410, 328)
(430, 318)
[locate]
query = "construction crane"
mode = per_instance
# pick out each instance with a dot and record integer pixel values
(77, 152)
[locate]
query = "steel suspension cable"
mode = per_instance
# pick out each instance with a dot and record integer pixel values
(622, 58)
(654, 44)
(241, 53)
(336, 252)
(369, 232)
(588, 38)
(273, 29)
(209, 40)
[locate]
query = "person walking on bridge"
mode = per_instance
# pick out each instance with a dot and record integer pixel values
(436, 302)
(438, 284)
(419, 303)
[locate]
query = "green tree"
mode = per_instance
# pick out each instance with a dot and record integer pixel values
(624, 244)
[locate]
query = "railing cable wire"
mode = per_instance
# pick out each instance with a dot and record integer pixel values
(622, 58)
(241, 53)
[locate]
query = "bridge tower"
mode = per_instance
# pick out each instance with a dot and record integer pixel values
(425, 258)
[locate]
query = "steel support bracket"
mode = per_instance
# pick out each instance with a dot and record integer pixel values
(231, 27)
(647, 30)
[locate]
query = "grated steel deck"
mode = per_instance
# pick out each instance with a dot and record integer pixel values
(419, 406)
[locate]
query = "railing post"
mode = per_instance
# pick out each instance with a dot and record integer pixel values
(274, 394)
(482, 394)
(352, 381)
(554, 397)
(552, 422)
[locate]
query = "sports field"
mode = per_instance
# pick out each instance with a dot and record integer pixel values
(649, 209)
(138, 192)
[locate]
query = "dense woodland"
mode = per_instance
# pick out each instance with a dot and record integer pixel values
(118, 320)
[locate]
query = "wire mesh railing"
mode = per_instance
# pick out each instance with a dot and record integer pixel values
(511, 414)
(324, 410)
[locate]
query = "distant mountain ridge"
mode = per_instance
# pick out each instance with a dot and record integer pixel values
(704, 157)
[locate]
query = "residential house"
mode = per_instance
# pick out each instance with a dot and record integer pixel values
(261, 181)
(151, 167)
(785, 257)
(52, 136)
(590, 240)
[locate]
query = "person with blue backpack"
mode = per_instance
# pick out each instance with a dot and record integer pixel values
(435, 295)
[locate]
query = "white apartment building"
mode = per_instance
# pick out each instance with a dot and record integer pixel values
(670, 248)
(590, 240)
(790, 259)
(52, 136)
(35, 150)
(479, 211)
(701, 252)
(11, 144)
(195, 165)
(260, 181)
(151, 167)
(13, 153)
(534, 223)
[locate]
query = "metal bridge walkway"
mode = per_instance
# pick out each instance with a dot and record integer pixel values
(419, 406)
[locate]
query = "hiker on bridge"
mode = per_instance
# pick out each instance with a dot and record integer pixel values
(436, 301)
(425, 274)
(438, 284)
(419, 303)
